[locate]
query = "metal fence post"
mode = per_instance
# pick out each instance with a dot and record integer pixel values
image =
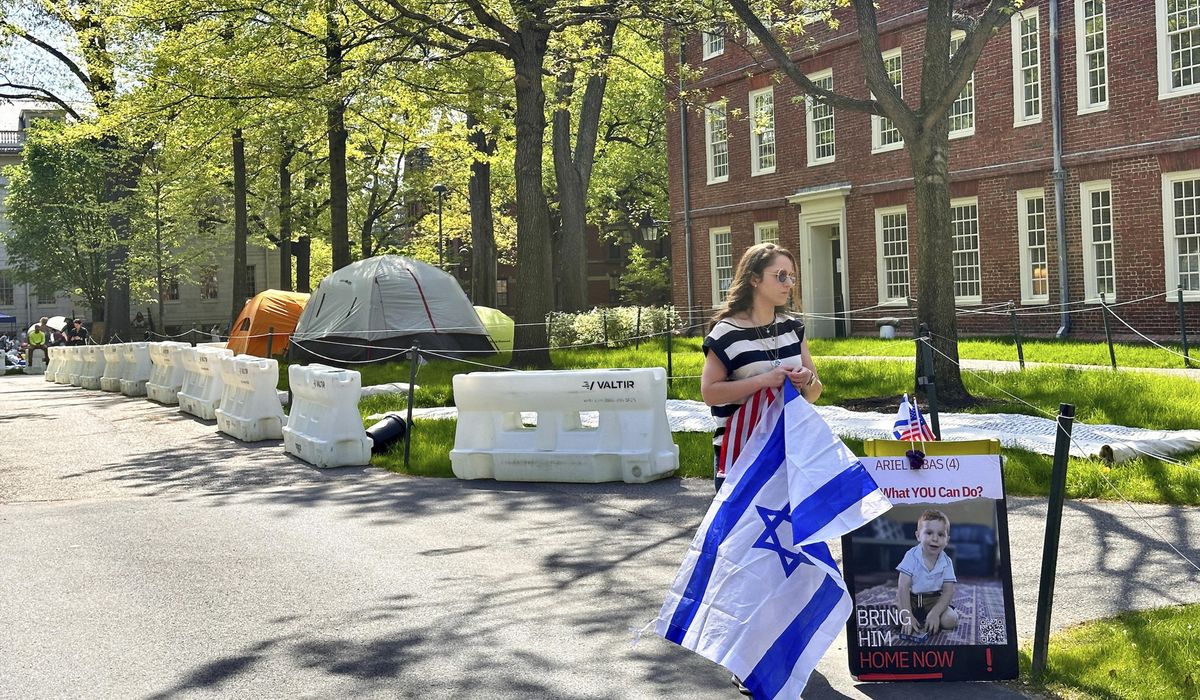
(1112, 354)
(927, 380)
(637, 331)
(1187, 360)
(270, 337)
(1058, 487)
(1012, 312)
(670, 343)
(414, 357)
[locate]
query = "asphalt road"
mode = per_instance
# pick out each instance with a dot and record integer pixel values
(147, 556)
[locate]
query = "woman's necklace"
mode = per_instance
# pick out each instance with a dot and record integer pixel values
(773, 351)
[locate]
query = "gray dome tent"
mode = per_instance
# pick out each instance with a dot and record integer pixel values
(371, 308)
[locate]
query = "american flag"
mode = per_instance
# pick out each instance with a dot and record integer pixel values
(741, 424)
(910, 425)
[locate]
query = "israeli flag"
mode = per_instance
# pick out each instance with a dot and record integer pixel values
(759, 592)
(910, 425)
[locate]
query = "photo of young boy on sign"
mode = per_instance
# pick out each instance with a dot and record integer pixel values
(930, 578)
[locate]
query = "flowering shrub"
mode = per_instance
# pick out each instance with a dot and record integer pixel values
(612, 326)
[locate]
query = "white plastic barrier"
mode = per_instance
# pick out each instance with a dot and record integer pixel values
(61, 375)
(77, 355)
(324, 427)
(114, 365)
(631, 441)
(136, 370)
(56, 361)
(69, 374)
(93, 366)
(250, 409)
(38, 364)
(166, 376)
(202, 385)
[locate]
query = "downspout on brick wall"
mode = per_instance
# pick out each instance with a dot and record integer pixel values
(687, 189)
(1058, 174)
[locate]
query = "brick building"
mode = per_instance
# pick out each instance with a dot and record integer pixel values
(836, 186)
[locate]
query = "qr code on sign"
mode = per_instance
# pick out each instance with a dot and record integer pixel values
(993, 630)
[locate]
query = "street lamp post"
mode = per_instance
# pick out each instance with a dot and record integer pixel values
(650, 227)
(440, 190)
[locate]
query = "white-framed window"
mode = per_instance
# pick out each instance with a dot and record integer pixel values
(208, 283)
(716, 136)
(1091, 55)
(502, 292)
(1178, 24)
(1099, 251)
(1031, 242)
(884, 134)
(1181, 233)
(721, 255)
(962, 112)
(891, 254)
(6, 288)
(819, 123)
(714, 44)
(964, 224)
(46, 297)
(1027, 67)
(762, 131)
(766, 232)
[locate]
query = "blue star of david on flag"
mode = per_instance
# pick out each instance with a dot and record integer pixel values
(769, 539)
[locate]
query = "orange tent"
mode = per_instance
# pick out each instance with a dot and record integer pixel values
(271, 313)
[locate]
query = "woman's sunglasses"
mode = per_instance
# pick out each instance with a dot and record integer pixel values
(783, 276)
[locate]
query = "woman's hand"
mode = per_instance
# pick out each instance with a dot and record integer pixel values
(801, 377)
(774, 378)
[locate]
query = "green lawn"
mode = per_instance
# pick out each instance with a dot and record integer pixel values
(1151, 655)
(1059, 351)
(1132, 399)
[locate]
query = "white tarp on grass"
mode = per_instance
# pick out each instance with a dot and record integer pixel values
(1113, 442)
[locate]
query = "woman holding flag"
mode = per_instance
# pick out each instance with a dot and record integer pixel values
(754, 346)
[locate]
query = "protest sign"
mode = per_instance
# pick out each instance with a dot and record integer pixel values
(930, 579)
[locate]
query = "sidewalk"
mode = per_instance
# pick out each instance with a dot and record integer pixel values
(157, 558)
(1014, 366)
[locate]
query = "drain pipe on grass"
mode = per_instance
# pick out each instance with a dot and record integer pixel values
(1058, 174)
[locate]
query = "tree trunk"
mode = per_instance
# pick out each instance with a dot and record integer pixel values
(303, 246)
(287, 151)
(572, 207)
(935, 245)
(339, 229)
(533, 216)
(159, 272)
(240, 226)
(483, 233)
(573, 174)
(120, 178)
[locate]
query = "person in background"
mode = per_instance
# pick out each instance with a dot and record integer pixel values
(77, 334)
(37, 341)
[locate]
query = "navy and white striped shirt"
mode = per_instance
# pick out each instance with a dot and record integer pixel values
(747, 352)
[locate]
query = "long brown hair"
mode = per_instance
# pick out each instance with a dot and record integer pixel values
(740, 297)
